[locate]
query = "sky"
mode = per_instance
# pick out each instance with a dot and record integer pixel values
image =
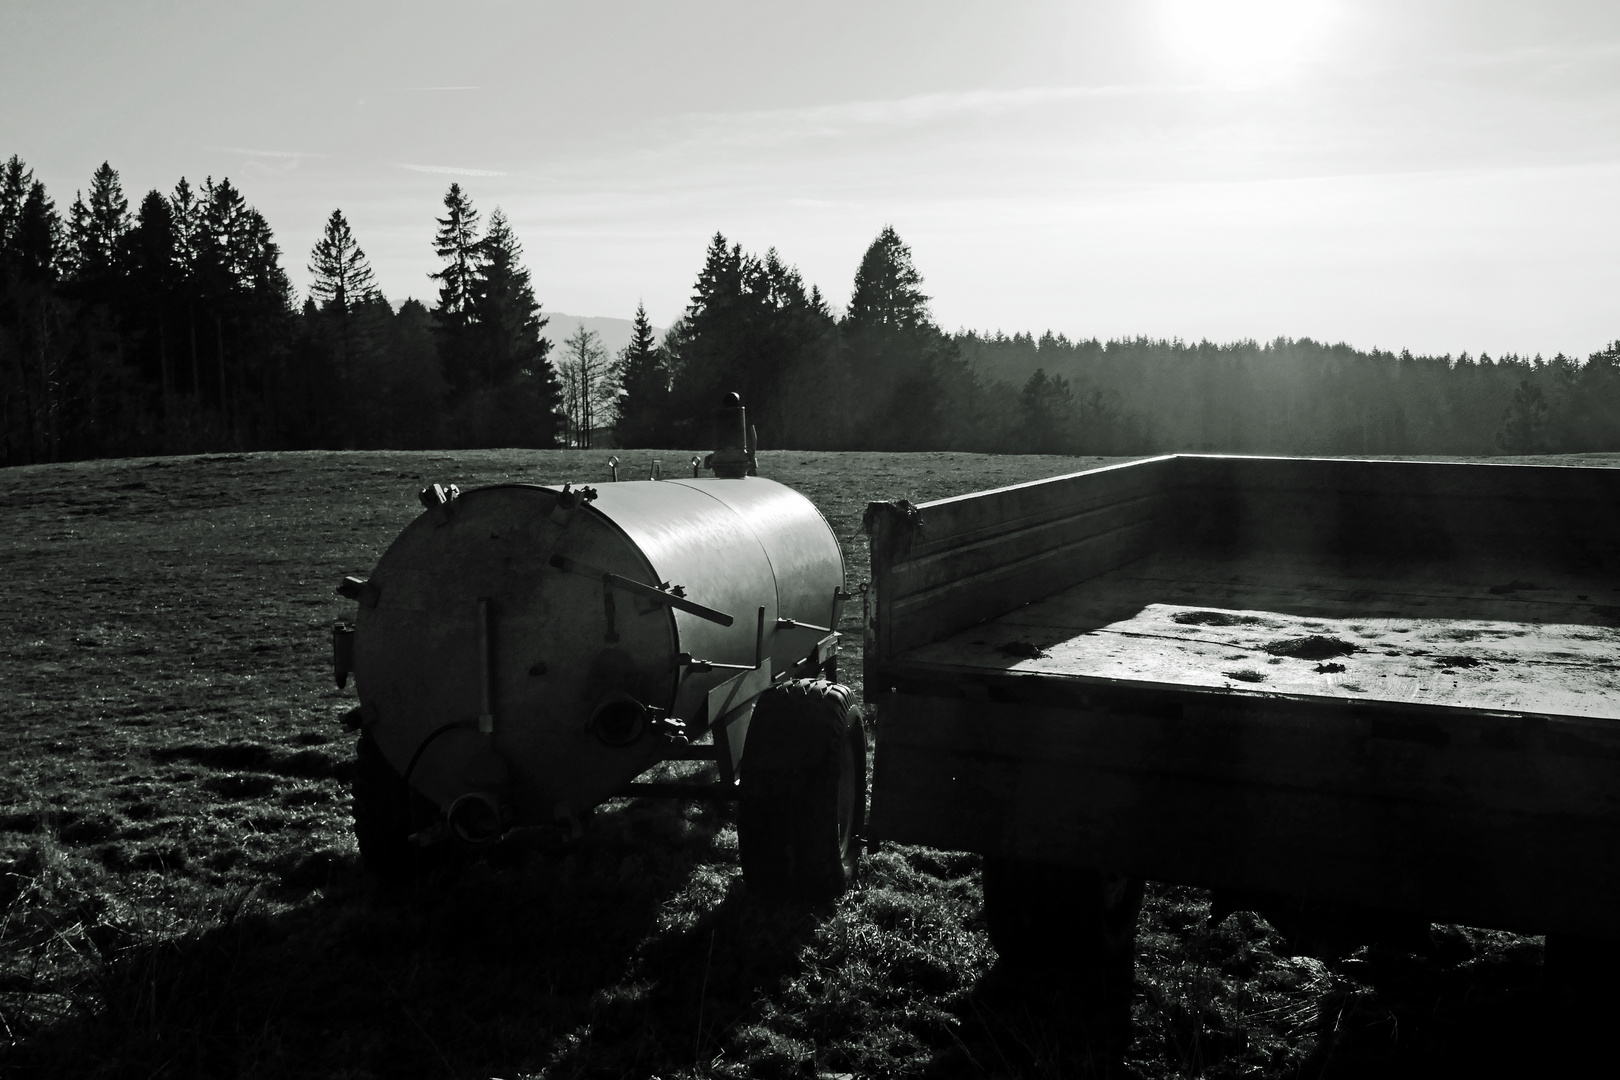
(1439, 175)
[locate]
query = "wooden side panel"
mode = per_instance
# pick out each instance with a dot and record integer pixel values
(950, 564)
(1548, 515)
(1491, 820)
(965, 518)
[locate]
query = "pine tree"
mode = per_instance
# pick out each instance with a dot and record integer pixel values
(36, 241)
(34, 323)
(153, 266)
(16, 179)
(909, 388)
(642, 373)
(488, 326)
(1524, 422)
(751, 329)
(886, 293)
(342, 285)
(457, 241)
(98, 229)
(227, 241)
(186, 213)
(1048, 414)
(507, 320)
(342, 276)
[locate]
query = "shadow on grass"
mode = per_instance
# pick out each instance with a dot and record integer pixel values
(621, 957)
(1495, 1012)
(1227, 999)
(1020, 1023)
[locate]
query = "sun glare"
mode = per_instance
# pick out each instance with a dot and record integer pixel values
(1244, 40)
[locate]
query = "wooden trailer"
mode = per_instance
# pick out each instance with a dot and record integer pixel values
(1393, 685)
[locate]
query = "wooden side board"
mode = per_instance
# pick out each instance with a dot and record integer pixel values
(1410, 509)
(1486, 819)
(951, 563)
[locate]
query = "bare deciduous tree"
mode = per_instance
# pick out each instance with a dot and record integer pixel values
(587, 388)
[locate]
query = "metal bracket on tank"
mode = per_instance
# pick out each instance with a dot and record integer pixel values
(656, 594)
(693, 665)
(439, 500)
(570, 499)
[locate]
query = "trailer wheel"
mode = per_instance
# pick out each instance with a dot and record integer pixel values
(386, 813)
(1074, 919)
(802, 795)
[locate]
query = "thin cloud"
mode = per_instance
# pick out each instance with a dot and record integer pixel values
(778, 125)
(447, 170)
(294, 154)
(430, 88)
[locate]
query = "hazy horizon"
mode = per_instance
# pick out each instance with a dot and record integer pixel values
(1434, 176)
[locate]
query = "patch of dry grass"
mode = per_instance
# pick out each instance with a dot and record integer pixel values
(180, 893)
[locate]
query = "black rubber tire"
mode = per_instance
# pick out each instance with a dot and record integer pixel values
(386, 813)
(802, 795)
(1074, 920)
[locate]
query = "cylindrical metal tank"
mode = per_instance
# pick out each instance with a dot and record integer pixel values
(533, 646)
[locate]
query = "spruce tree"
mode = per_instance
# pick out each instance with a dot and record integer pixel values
(489, 326)
(886, 293)
(16, 179)
(751, 329)
(186, 213)
(342, 284)
(98, 229)
(642, 373)
(342, 275)
(506, 338)
(153, 266)
(226, 240)
(457, 242)
(1047, 409)
(35, 328)
(909, 388)
(36, 240)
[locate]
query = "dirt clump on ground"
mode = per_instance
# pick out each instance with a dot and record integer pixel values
(1310, 647)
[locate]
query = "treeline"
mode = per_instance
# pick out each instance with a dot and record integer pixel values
(886, 377)
(1301, 397)
(173, 328)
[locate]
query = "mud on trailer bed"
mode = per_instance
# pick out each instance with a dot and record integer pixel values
(1388, 685)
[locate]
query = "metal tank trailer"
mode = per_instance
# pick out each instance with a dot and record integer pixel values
(522, 653)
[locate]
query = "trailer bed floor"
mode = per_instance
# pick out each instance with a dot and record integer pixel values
(1482, 636)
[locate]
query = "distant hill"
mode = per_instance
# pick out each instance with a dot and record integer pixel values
(615, 333)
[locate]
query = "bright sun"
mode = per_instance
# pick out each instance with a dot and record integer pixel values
(1245, 39)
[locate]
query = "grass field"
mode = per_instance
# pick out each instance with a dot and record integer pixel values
(180, 894)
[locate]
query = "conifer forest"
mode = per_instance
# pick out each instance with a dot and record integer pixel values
(170, 326)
